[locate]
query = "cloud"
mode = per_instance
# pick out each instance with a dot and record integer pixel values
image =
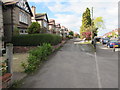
(73, 0)
(108, 9)
(69, 21)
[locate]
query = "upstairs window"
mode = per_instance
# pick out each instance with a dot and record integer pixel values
(23, 17)
(45, 24)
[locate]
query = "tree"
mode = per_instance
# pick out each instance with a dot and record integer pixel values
(71, 33)
(86, 18)
(98, 22)
(34, 28)
(86, 23)
(92, 24)
(114, 34)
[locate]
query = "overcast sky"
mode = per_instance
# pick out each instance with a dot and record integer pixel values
(69, 12)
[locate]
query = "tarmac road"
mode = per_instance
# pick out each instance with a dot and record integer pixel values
(108, 66)
(77, 66)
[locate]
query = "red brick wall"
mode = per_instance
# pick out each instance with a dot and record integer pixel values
(22, 49)
(6, 80)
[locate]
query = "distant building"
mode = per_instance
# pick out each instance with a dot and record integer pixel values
(64, 31)
(41, 18)
(58, 28)
(116, 31)
(52, 26)
(16, 15)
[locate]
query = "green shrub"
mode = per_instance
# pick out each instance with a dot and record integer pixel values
(34, 28)
(15, 31)
(35, 39)
(36, 56)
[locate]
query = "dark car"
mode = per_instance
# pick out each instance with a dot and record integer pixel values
(97, 39)
(113, 43)
(105, 40)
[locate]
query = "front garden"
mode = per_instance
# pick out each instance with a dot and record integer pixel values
(37, 47)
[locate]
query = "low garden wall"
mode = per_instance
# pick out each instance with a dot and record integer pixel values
(24, 43)
(24, 49)
(6, 80)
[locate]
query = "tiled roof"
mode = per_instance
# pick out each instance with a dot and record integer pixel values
(58, 25)
(41, 16)
(51, 22)
(14, 2)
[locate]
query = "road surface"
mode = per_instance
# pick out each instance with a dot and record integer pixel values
(77, 66)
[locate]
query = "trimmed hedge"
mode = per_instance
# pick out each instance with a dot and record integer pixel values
(35, 39)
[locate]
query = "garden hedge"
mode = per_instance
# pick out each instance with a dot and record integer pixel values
(35, 39)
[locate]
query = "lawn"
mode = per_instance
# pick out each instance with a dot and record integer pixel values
(17, 59)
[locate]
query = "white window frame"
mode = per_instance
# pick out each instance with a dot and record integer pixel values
(45, 24)
(23, 31)
(23, 17)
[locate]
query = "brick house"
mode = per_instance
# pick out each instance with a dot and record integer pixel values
(41, 18)
(16, 15)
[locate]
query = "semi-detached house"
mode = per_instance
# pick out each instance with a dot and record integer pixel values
(52, 26)
(41, 18)
(16, 15)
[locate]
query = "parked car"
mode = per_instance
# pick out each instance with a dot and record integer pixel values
(97, 39)
(113, 43)
(105, 40)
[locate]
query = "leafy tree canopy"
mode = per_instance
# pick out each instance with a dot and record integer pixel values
(34, 28)
(98, 22)
(71, 33)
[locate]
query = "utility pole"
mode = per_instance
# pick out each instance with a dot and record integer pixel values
(92, 12)
(91, 24)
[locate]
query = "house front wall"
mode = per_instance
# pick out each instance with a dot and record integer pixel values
(45, 24)
(51, 28)
(41, 23)
(11, 21)
(16, 19)
(8, 23)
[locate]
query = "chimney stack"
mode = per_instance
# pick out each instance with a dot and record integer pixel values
(33, 9)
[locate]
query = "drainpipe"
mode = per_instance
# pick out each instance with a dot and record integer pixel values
(12, 22)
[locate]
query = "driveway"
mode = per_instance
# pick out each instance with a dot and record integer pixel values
(75, 66)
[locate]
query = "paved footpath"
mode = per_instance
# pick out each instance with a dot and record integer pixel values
(74, 66)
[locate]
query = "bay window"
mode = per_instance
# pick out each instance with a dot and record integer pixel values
(23, 18)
